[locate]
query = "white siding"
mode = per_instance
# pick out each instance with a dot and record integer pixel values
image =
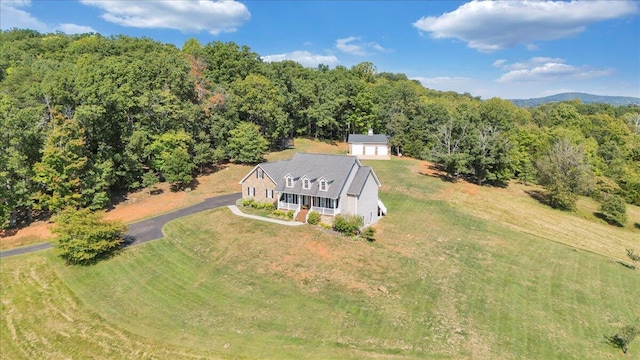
(356, 149)
(382, 150)
(368, 201)
(369, 149)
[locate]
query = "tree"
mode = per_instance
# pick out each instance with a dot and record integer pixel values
(565, 173)
(83, 237)
(614, 208)
(64, 162)
(150, 180)
(246, 144)
(178, 168)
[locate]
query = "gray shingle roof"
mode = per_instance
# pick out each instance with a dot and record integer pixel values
(358, 181)
(370, 139)
(335, 169)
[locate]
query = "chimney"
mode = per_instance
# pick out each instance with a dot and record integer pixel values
(370, 133)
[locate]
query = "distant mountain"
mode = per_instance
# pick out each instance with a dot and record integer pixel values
(585, 98)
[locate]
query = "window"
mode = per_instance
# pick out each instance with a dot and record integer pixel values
(323, 185)
(260, 174)
(269, 194)
(289, 181)
(251, 191)
(306, 184)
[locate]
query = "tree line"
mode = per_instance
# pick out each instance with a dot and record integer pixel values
(83, 117)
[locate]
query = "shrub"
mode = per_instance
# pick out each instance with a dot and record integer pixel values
(624, 337)
(615, 209)
(314, 218)
(83, 237)
(369, 234)
(269, 206)
(290, 214)
(348, 225)
(278, 213)
(248, 202)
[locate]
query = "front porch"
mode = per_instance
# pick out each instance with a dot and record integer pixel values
(324, 206)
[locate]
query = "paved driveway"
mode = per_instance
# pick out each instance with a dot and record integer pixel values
(149, 229)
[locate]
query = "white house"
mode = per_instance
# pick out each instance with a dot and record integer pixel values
(327, 184)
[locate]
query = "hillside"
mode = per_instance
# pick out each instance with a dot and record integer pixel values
(467, 272)
(585, 98)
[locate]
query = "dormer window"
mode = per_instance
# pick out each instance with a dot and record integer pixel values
(306, 184)
(323, 185)
(288, 181)
(260, 173)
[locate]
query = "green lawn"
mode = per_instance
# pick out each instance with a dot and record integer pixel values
(461, 283)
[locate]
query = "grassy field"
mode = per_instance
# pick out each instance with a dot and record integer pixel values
(457, 271)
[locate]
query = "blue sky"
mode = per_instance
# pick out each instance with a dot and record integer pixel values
(509, 49)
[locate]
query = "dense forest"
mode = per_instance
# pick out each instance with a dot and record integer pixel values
(83, 117)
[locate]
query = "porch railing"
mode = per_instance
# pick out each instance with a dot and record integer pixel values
(288, 206)
(325, 211)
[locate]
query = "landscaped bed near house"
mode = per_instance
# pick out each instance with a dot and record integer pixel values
(457, 271)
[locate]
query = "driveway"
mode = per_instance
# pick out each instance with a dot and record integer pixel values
(149, 229)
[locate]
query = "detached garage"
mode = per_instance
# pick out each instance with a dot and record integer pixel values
(369, 147)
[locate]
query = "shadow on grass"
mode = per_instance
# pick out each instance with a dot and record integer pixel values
(607, 219)
(539, 196)
(437, 171)
(627, 265)
(637, 225)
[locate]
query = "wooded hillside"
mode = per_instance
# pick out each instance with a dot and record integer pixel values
(85, 116)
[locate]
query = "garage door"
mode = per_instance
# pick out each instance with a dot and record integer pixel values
(356, 149)
(369, 149)
(382, 150)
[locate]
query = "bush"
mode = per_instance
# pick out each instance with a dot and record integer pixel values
(624, 337)
(314, 218)
(269, 206)
(83, 237)
(348, 225)
(615, 209)
(248, 202)
(369, 234)
(279, 213)
(290, 214)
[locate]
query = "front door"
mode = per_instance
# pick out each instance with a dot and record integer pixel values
(306, 201)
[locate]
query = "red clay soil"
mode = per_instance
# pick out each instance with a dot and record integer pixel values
(139, 205)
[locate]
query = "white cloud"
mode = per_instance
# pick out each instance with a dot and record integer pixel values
(354, 45)
(539, 69)
(441, 81)
(185, 15)
(493, 25)
(75, 29)
(12, 16)
(305, 58)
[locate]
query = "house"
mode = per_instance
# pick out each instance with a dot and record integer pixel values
(369, 147)
(327, 184)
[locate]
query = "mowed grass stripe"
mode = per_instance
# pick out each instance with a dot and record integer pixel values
(459, 286)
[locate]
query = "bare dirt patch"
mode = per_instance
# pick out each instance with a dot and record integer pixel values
(141, 205)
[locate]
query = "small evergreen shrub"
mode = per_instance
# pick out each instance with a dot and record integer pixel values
(348, 225)
(369, 234)
(290, 214)
(314, 218)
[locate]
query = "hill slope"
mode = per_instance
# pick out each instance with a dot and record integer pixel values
(585, 98)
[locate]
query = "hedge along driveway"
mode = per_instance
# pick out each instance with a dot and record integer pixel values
(149, 229)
